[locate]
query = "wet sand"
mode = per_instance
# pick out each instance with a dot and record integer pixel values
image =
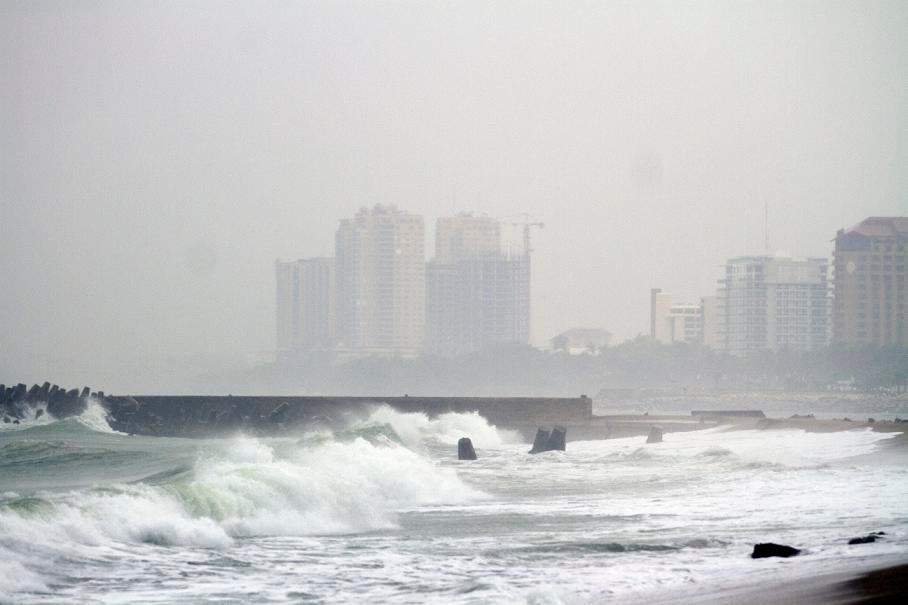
(869, 585)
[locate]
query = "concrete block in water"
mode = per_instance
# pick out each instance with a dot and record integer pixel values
(85, 393)
(539, 443)
(548, 441)
(655, 435)
(465, 449)
(33, 394)
(557, 440)
(19, 393)
(66, 404)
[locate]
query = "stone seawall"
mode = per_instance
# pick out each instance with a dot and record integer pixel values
(210, 415)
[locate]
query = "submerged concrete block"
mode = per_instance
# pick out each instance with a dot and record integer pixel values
(465, 449)
(655, 435)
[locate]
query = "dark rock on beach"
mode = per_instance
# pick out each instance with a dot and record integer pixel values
(768, 549)
(868, 539)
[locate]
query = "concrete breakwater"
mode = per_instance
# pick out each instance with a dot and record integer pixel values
(200, 416)
(18, 402)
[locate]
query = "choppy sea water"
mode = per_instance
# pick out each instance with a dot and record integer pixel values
(384, 513)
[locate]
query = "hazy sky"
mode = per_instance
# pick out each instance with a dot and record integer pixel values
(158, 156)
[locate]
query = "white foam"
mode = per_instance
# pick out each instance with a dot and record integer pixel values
(242, 488)
(16, 577)
(415, 429)
(95, 417)
(29, 420)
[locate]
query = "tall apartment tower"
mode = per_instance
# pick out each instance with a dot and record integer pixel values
(660, 309)
(710, 323)
(381, 285)
(466, 236)
(871, 282)
(774, 303)
(305, 304)
(476, 296)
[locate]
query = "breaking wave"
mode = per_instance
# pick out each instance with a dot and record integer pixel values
(236, 488)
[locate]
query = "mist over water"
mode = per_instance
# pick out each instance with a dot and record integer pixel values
(382, 511)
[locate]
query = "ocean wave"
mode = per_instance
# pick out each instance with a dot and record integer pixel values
(245, 489)
(34, 453)
(237, 488)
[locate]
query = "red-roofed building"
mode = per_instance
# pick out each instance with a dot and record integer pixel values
(871, 282)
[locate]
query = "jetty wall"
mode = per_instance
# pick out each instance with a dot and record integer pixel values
(207, 415)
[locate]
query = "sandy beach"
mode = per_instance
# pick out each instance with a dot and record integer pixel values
(869, 584)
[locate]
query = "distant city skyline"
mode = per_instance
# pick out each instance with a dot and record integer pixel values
(155, 162)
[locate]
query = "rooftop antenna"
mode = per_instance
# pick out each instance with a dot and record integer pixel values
(766, 229)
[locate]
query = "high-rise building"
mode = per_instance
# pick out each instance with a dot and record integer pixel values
(871, 282)
(710, 322)
(476, 296)
(774, 303)
(466, 236)
(660, 308)
(380, 260)
(671, 323)
(305, 304)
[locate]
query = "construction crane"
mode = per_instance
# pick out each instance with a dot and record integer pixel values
(523, 220)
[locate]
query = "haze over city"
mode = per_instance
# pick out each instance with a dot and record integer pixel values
(461, 302)
(158, 157)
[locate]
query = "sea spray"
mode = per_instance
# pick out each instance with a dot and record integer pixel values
(95, 417)
(416, 429)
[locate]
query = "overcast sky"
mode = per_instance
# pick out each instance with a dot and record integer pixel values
(156, 157)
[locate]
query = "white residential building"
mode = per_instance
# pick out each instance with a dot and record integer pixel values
(775, 303)
(305, 304)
